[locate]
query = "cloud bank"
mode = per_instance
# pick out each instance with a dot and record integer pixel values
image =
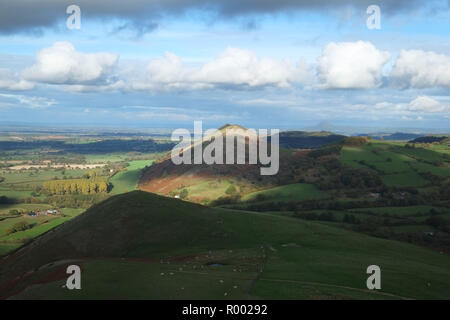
(233, 68)
(25, 15)
(342, 65)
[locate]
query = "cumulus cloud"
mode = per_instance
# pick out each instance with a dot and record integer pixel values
(234, 68)
(11, 81)
(242, 67)
(351, 65)
(26, 15)
(421, 104)
(63, 64)
(168, 71)
(426, 104)
(421, 69)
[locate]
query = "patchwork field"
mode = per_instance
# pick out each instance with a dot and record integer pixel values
(398, 166)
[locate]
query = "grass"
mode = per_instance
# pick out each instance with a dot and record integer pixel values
(398, 166)
(375, 156)
(408, 179)
(127, 180)
(146, 237)
(441, 171)
(22, 207)
(14, 240)
(37, 229)
(30, 233)
(8, 247)
(33, 177)
(402, 211)
(445, 149)
(413, 228)
(287, 193)
(103, 158)
(209, 190)
(15, 194)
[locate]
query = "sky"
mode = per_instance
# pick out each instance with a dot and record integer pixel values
(258, 63)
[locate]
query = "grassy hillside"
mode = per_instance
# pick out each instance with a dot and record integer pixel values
(140, 245)
(126, 181)
(290, 192)
(39, 225)
(398, 166)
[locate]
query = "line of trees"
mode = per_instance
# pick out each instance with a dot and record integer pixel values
(76, 186)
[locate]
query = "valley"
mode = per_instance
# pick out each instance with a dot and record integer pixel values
(164, 231)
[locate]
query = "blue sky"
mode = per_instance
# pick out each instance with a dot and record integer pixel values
(281, 68)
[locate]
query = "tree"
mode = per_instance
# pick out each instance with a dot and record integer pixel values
(231, 190)
(183, 194)
(19, 226)
(14, 212)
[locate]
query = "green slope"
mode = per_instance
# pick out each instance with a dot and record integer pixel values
(140, 245)
(290, 192)
(126, 181)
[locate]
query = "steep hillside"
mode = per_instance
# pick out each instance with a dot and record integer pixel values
(206, 183)
(140, 245)
(202, 182)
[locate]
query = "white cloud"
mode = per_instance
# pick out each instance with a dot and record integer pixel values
(425, 104)
(63, 64)
(174, 114)
(29, 101)
(421, 105)
(351, 65)
(421, 69)
(107, 86)
(10, 81)
(384, 105)
(270, 102)
(168, 71)
(232, 68)
(243, 67)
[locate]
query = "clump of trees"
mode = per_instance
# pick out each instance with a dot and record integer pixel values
(324, 151)
(439, 223)
(231, 190)
(184, 194)
(76, 186)
(6, 200)
(76, 200)
(19, 226)
(14, 212)
(355, 141)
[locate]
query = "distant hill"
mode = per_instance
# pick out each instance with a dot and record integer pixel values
(209, 181)
(429, 139)
(399, 136)
(143, 246)
(308, 140)
(204, 183)
(98, 147)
